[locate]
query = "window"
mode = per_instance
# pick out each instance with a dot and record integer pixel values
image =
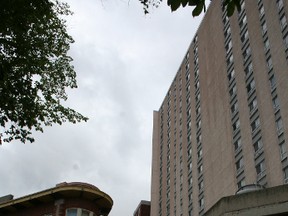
(195, 50)
(242, 5)
(190, 181)
(71, 212)
(85, 213)
(230, 60)
(198, 110)
(286, 40)
(225, 19)
(283, 150)
(201, 203)
(188, 100)
(78, 212)
(275, 102)
(168, 181)
(260, 168)
(264, 28)
(190, 197)
(196, 60)
(199, 138)
(181, 179)
(253, 104)
(249, 69)
(198, 124)
(258, 145)
(231, 75)
(188, 77)
(187, 66)
(280, 4)
(227, 32)
(283, 21)
(168, 194)
(188, 112)
(244, 36)
(285, 170)
(189, 152)
(241, 183)
(261, 10)
(239, 164)
(255, 124)
(228, 47)
(251, 86)
(272, 82)
(187, 56)
(196, 72)
(197, 85)
(243, 21)
(279, 125)
(197, 98)
(237, 144)
(236, 125)
(188, 88)
(201, 185)
(189, 124)
(247, 52)
(199, 153)
(266, 45)
(234, 107)
(200, 169)
(269, 63)
(190, 166)
(232, 91)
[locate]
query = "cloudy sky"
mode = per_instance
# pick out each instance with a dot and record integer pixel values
(125, 62)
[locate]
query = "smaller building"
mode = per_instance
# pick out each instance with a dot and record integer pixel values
(143, 209)
(66, 199)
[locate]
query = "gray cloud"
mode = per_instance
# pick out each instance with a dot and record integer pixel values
(125, 62)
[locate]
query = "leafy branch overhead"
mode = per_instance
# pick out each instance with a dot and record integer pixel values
(199, 5)
(35, 69)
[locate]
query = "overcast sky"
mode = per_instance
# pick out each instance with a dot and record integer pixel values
(125, 62)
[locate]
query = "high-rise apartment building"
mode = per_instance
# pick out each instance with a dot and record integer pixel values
(224, 121)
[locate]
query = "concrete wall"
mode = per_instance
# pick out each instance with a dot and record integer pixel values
(269, 201)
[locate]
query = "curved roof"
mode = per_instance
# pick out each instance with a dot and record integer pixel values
(62, 190)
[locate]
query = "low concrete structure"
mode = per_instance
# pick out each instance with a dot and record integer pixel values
(270, 201)
(66, 199)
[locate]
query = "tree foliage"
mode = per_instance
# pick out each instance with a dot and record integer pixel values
(35, 69)
(199, 5)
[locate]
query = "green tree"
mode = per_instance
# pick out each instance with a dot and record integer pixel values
(35, 69)
(199, 5)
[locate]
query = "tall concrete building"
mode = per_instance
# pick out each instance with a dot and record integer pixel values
(224, 121)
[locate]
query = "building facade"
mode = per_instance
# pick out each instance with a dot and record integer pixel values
(66, 199)
(223, 123)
